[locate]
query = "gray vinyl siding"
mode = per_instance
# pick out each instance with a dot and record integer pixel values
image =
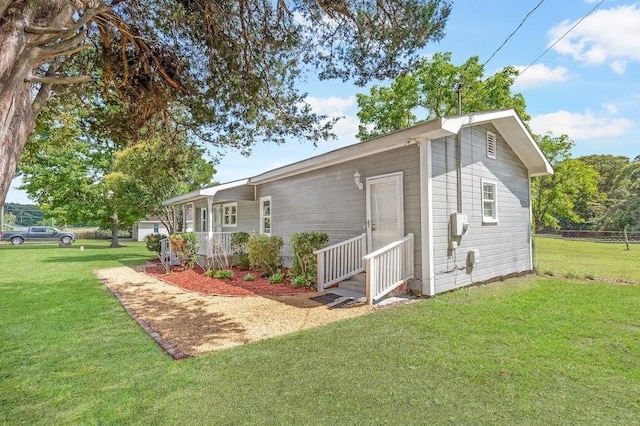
(328, 199)
(504, 247)
(248, 218)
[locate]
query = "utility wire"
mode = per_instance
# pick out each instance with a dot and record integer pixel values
(558, 40)
(514, 31)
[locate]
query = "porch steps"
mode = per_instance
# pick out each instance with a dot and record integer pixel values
(355, 284)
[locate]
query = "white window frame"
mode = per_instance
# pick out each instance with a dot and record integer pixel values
(492, 145)
(263, 216)
(494, 202)
(232, 221)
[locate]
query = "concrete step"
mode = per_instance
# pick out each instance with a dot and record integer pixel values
(353, 285)
(362, 277)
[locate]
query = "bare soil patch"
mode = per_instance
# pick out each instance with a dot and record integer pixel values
(196, 322)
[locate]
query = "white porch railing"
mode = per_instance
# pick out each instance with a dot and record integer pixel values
(388, 268)
(340, 261)
(209, 240)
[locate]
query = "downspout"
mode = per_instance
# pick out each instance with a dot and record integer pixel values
(426, 218)
(459, 87)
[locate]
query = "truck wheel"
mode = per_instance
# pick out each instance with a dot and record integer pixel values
(16, 241)
(65, 240)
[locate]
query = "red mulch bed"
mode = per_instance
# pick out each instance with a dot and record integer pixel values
(196, 280)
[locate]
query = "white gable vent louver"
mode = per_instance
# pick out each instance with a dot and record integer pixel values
(491, 145)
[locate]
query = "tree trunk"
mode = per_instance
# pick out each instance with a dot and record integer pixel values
(20, 59)
(115, 230)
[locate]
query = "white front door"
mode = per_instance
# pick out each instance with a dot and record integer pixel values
(217, 218)
(385, 212)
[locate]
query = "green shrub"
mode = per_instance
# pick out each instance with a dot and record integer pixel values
(303, 261)
(220, 273)
(276, 278)
(264, 252)
(152, 242)
(299, 281)
(249, 277)
(185, 246)
(239, 242)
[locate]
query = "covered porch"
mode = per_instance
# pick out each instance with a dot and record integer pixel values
(219, 212)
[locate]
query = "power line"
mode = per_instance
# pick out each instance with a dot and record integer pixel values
(514, 31)
(558, 40)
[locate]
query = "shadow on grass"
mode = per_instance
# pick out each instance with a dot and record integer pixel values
(123, 258)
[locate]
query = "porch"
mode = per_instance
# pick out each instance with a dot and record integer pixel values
(376, 274)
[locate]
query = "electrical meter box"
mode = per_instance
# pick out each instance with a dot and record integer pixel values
(459, 224)
(473, 257)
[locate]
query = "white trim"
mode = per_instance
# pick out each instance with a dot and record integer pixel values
(485, 219)
(262, 216)
(397, 178)
(205, 192)
(426, 217)
(210, 214)
(234, 215)
(531, 266)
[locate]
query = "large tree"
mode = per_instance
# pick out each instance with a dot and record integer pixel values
(431, 90)
(231, 64)
(564, 194)
(623, 207)
(79, 169)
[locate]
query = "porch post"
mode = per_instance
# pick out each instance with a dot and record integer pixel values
(210, 216)
(175, 218)
(184, 218)
(426, 217)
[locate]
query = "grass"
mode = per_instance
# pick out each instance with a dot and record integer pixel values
(529, 351)
(591, 260)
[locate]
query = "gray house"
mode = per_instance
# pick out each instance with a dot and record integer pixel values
(439, 205)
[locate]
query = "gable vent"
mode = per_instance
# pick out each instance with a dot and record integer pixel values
(491, 145)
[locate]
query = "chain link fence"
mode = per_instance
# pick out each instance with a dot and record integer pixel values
(597, 255)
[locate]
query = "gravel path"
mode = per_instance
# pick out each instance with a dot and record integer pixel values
(194, 324)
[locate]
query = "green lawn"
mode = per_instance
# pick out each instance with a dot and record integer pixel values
(610, 261)
(529, 351)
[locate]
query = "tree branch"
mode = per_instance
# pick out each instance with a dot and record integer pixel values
(68, 52)
(58, 80)
(64, 46)
(44, 30)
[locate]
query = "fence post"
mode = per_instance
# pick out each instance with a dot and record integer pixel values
(320, 271)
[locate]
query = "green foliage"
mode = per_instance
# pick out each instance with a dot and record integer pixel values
(219, 273)
(249, 277)
(573, 184)
(152, 242)
(265, 252)
(623, 210)
(186, 247)
(239, 242)
(299, 281)
(304, 262)
(430, 89)
(276, 278)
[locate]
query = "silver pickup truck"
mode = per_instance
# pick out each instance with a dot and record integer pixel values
(38, 233)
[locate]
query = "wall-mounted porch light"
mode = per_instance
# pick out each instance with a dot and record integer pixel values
(356, 180)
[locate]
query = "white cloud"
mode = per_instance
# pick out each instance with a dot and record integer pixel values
(577, 126)
(538, 75)
(347, 126)
(332, 106)
(609, 36)
(611, 108)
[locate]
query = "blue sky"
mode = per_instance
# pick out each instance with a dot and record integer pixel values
(587, 85)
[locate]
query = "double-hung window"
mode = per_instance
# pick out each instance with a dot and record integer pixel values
(265, 215)
(489, 201)
(230, 214)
